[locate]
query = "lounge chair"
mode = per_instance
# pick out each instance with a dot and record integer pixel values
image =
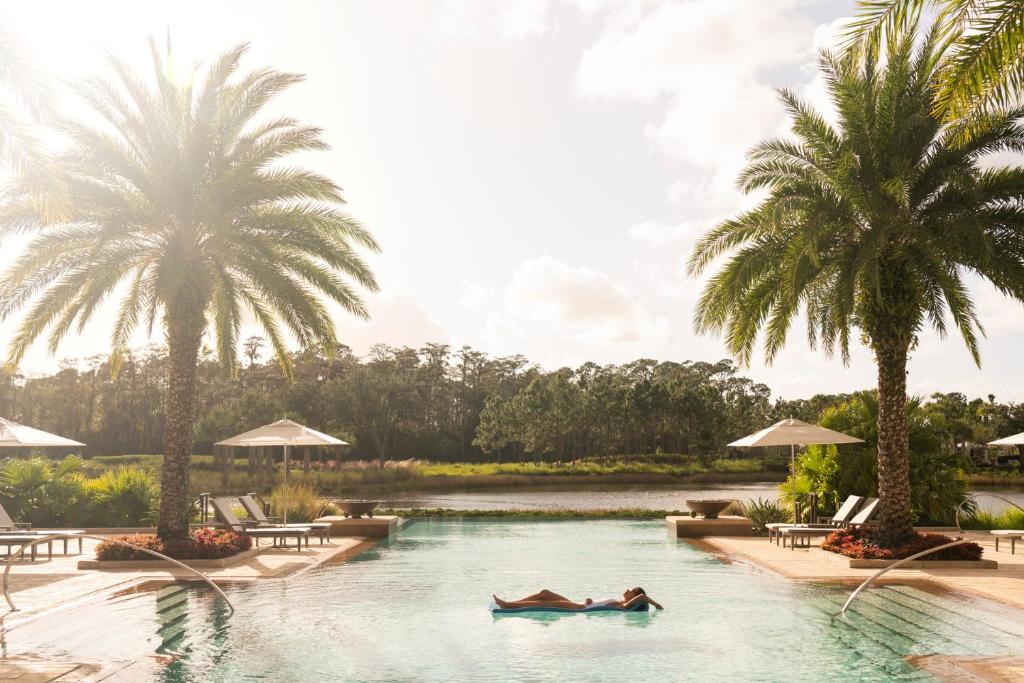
(7, 524)
(227, 518)
(840, 519)
(18, 540)
(864, 517)
(255, 511)
(1013, 534)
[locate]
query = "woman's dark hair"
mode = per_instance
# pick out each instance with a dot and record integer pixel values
(639, 591)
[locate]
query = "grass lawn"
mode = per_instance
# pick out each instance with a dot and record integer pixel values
(355, 477)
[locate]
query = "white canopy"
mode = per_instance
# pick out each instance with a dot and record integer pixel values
(794, 433)
(14, 435)
(283, 433)
(1015, 440)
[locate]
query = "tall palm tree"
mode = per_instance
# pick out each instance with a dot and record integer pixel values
(984, 67)
(870, 225)
(182, 211)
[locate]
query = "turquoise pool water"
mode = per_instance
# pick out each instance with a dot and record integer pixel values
(414, 609)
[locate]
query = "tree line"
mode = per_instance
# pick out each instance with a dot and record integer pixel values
(445, 404)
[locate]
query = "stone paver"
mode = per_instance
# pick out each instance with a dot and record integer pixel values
(1004, 585)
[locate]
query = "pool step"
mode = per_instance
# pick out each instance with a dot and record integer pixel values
(993, 636)
(1000, 622)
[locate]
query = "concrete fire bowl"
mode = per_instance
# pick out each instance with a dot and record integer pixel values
(357, 508)
(708, 509)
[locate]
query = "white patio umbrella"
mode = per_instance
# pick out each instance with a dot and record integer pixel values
(14, 435)
(794, 433)
(1015, 440)
(283, 433)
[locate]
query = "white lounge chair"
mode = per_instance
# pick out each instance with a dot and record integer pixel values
(864, 517)
(255, 511)
(840, 519)
(7, 524)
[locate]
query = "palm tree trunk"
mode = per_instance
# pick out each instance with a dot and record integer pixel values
(895, 520)
(184, 333)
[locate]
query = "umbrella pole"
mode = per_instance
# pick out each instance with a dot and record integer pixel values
(792, 469)
(286, 468)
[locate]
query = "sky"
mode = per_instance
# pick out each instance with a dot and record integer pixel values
(536, 171)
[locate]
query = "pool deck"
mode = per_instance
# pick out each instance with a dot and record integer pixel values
(1004, 585)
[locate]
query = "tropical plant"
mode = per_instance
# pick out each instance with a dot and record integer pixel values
(44, 493)
(870, 224)
(983, 69)
(762, 512)
(125, 497)
(181, 207)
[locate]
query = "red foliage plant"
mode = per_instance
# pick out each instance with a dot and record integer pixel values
(203, 544)
(862, 545)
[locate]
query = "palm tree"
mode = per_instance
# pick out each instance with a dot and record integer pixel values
(871, 224)
(983, 69)
(182, 211)
(25, 102)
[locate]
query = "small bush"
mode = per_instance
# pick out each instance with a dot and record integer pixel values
(204, 544)
(1011, 518)
(763, 512)
(862, 545)
(126, 496)
(303, 502)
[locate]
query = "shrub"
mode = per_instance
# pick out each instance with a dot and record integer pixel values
(303, 502)
(1011, 518)
(204, 544)
(45, 493)
(126, 496)
(861, 545)
(763, 512)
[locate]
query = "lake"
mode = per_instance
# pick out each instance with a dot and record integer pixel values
(668, 497)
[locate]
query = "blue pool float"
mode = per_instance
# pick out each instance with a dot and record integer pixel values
(642, 607)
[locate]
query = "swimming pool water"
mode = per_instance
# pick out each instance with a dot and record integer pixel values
(414, 609)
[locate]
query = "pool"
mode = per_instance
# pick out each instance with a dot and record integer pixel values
(414, 609)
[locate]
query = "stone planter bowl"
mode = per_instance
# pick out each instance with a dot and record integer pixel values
(709, 509)
(357, 508)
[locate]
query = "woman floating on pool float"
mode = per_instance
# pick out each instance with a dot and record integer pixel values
(634, 599)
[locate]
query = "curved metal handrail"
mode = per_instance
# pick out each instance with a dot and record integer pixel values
(872, 578)
(973, 496)
(53, 537)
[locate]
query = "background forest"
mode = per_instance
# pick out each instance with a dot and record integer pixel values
(451, 405)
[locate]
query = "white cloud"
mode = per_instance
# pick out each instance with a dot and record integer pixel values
(396, 318)
(495, 19)
(658, 234)
(475, 295)
(707, 61)
(578, 308)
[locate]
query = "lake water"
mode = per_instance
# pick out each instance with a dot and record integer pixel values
(612, 498)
